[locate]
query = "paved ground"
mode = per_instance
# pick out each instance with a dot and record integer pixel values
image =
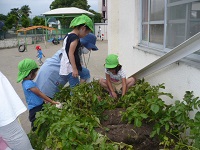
(9, 59)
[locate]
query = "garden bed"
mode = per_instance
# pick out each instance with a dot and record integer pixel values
(91, 119)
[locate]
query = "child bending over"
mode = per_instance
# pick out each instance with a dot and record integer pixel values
(34, 97)
(115, 81)
(70, 62)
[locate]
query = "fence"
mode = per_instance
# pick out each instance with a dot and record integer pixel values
(7, 35)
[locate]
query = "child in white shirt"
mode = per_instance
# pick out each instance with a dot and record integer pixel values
(115, 81)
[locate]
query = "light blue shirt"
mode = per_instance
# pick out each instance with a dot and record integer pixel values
(31, 98)
(40, 54)
(48, 78)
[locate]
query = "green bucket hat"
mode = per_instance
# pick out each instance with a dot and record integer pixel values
(25, 66)
(111, 61)
(83, 19)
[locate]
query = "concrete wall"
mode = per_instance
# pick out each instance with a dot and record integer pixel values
(9, 43)
(124, 34)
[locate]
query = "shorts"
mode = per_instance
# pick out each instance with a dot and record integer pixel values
(117, 86)
(32, 113)
(84, 74)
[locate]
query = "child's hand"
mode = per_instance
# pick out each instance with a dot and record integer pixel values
(114, 95)
(55, 102)
(75, 73)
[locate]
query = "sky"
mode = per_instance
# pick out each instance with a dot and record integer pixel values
(37, 6)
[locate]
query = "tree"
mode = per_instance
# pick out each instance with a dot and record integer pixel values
(17, 16)
(82, 4)
(37, 21)
(25, 10)
(97, 16)
(24, 13)
(11, 21)
(25, 21)
(15, 12)
(13, 18)
(3, 17)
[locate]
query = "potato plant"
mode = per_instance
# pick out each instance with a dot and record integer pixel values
(74, 126)
(172, 123)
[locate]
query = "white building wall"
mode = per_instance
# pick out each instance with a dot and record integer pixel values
(124, 33)
(113, 26)
(128, 33)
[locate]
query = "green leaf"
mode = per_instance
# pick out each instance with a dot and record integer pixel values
(167, 127)
(155, 108)
(97, 120)
(197, 116)
(144, 116)
(153, 133)
(59, 145)
(137, 122)
(158, 131)
(75, 129)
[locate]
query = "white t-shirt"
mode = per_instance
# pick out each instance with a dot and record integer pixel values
(118, 77)
(65, 66)
(11, 106)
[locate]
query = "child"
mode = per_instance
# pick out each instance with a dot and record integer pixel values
(70, 61)
(48, 78)
(102, 37)
(12, 135)
(39, 55)
(34, 97)
(115, 77)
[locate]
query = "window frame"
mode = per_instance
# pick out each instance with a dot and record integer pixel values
(148, 23)
(150, 47)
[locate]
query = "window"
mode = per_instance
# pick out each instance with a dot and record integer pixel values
(153, 22)
(167, 23)
(104, 2)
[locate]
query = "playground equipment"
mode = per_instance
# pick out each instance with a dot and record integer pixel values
(22, 45)
(64, 13)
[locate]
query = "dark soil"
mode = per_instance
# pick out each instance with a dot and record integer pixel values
(119, 131)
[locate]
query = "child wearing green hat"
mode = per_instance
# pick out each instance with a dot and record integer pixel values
(34, 97)
(115, 81)
(70, 62)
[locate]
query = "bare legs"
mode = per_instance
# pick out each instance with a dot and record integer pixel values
(129, 82)
(103, 83)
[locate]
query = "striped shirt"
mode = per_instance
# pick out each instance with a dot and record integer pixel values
(116, 77)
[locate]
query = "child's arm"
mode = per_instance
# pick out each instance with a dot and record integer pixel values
(43, 54)
(72, 49)
(42, 95)
(124, 86)
(110, 87)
